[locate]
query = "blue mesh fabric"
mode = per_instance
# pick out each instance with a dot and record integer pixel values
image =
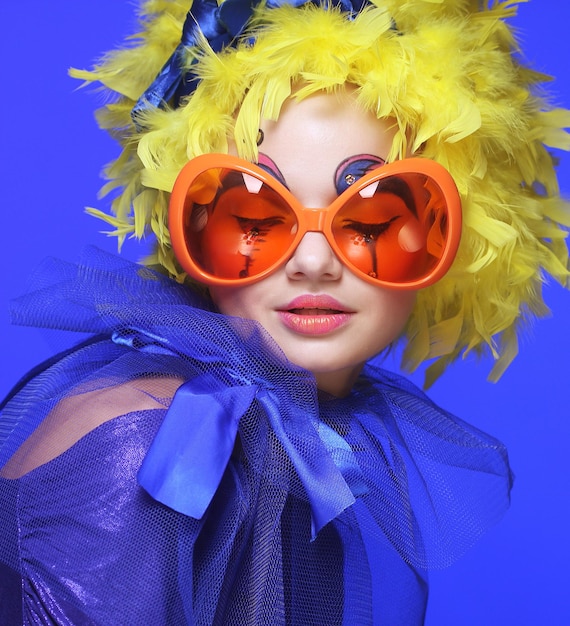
(326, 510)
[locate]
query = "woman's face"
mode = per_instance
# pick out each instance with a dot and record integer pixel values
(324, 318)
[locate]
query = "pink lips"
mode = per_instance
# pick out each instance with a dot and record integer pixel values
(314, 315)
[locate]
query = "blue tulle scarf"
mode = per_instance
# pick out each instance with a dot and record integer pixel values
(366, 491)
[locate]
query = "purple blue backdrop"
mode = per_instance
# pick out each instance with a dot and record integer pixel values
(52, 154)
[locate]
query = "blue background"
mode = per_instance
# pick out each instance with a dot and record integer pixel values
(52, 154)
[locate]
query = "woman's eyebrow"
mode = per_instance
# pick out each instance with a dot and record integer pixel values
(353, 168)
(267, 164)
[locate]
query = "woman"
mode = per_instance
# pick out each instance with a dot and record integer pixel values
(321, 514)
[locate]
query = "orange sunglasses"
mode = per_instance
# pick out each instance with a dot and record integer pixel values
(233, 223)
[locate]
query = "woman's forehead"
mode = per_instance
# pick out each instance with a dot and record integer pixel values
(312, 137)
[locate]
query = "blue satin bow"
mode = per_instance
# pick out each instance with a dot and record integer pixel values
(221, 26)
(189, 455)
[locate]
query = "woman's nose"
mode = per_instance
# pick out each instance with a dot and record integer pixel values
(314, 259)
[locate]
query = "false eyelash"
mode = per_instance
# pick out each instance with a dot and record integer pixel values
(369, 230)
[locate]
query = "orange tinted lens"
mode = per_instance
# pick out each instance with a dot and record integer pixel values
(235, 225)
(395, 229)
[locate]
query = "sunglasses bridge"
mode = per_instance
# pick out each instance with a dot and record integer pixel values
(315, 219)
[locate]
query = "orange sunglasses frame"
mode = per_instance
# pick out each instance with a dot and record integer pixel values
(312, 219)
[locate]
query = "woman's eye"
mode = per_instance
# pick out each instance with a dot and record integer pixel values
(368, 232)
(256, 227)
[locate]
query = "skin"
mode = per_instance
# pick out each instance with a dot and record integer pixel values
(307, 143)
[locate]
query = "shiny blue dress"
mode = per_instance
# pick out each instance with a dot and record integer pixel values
(237, 494)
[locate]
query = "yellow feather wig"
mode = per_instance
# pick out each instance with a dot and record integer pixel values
(448, 71)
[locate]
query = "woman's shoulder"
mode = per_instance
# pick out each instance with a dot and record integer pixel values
(84, 411)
